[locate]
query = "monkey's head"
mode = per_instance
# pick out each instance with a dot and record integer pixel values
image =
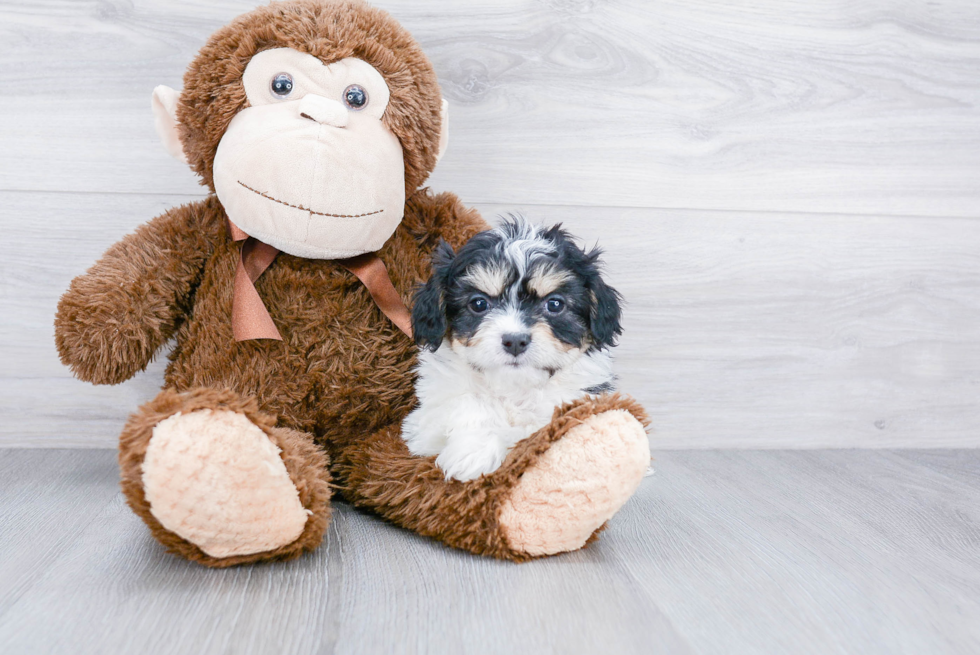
(311, 120)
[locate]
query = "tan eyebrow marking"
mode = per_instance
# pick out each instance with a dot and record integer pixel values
(546, 279)
(491, 280)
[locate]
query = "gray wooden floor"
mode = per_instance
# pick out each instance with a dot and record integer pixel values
(728, 552)
(787, 192)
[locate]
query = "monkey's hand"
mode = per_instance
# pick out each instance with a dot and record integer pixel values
(431, 217)
(114, 318)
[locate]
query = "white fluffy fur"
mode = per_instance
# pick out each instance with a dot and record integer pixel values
(477, 398)
(471, 418)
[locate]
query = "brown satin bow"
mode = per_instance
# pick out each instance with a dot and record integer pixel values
(249, 317)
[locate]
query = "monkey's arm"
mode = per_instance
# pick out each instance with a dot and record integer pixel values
(114, 318)
(431, 217)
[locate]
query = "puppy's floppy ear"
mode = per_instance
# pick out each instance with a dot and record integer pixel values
(605, 314)
(429, 323)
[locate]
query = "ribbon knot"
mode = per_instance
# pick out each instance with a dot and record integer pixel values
(251, 320)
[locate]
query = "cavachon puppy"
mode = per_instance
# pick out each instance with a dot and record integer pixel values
(515, 324)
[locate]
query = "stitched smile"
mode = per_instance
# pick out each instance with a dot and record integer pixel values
(301, 208)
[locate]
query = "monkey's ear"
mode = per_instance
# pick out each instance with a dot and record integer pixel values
(444, 130)
(165, 119)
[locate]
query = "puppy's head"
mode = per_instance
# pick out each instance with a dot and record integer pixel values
(517, 296)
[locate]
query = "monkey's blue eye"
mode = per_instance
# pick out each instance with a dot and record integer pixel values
(355, 97)
(282, 85)
(479, 305)
(555, 305)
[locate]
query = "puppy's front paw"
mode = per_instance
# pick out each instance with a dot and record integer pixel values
(466, 461)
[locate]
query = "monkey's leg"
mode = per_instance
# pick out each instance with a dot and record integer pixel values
(218, 483)
(553, 493)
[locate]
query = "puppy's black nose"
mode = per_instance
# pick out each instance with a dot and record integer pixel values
(515, 344)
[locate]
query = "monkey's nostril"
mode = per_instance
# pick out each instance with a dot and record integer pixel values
(323, 111)
(515, 344)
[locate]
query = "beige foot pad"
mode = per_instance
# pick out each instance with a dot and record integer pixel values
(577, 485)
(215, 479)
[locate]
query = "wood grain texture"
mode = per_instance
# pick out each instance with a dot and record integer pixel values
(48, 500)
(750, 326)
(794, 330)
(829, 106)
(726, 552)
(742, 330)
(831, 300)
(37, 393)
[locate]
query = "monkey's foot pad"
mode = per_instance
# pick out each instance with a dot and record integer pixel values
(215, 479)
(577, 485)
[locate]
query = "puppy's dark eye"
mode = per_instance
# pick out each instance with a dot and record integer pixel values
(355, 97)
(479, 305)
(555, 305)
(282, 85)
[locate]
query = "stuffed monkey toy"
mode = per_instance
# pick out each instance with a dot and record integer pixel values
(314, 125)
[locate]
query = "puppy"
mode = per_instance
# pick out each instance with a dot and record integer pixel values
(516, 323)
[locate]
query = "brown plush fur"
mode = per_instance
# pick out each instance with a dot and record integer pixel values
(113, 319)
(214, 93)
(305, 463)
(340, 381)
(381, 475)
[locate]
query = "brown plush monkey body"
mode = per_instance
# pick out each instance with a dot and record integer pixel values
(234, 460)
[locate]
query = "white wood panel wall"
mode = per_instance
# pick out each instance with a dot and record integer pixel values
(788, 193)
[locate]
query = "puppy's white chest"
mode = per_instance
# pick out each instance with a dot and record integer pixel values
(529, 410)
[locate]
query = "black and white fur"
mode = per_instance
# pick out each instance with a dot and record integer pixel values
(516, 323)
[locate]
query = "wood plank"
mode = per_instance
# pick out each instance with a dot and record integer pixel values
(810, 552)
(729, 552)
(870, 108)
(409, 594)
(66, 234)
(794, 330)
(742, 330)
(111, 574)
(48, 499)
